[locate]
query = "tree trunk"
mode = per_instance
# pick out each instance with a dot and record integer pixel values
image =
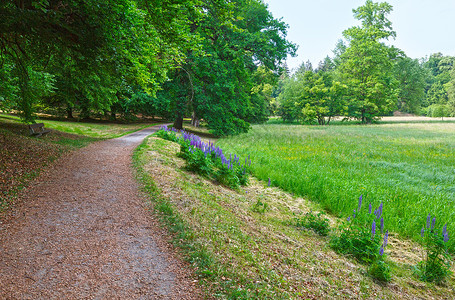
(194, 120)
(69, 113)
(178, 123)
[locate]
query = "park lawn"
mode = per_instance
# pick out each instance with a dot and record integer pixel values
(102, 130)
(408, 166)
(243, 244)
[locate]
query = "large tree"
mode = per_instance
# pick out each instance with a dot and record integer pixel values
(366, 64)
(218, 84)
(411, 76)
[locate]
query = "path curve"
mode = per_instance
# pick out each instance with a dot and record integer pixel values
(82, 232)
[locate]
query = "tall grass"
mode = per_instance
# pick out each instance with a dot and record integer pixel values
(409, 167)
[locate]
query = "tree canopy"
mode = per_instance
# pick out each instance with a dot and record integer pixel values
(171, 58)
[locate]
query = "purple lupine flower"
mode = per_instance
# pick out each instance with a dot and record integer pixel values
(428, 220)
(373, 229)
(444, 229)
(353, 215)
(382, 225)
(386, 239)
(380, 210)
(433, 222)
(269, 182)
(360, 203)
(446, 237)
(349, 218)
(422, 232)
(381, 251)
(370, 208)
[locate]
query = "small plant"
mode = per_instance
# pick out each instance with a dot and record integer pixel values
(435, 266)
(380, 270)
(260, 207)
(315, 222)
(361, 237)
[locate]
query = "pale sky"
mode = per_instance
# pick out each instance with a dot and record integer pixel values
(423, 27)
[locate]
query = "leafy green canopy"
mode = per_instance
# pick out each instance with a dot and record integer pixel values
(220, 84)
(88, 53)
(366, 64)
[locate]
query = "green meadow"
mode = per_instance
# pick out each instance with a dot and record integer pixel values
(408, 166)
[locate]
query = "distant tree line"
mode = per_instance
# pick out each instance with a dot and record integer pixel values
(367, 78)
(215, 60)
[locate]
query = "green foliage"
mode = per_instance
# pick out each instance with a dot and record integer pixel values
(361, 238)
(450, 87)
(171, 136)
(312, 96)
(208, 164)
(356, 239)
(222, 85)
(366, 65)
(435, 267)
(380, 270)
(260, 206)
(315, 222)
(197, 162)
(438, 111)
(439, 79)
(97, 51)
(411, 76)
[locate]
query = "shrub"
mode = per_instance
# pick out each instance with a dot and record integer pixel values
(207, 160)
(260, 207)
(435, 266)
(317, 223)
(361, 237)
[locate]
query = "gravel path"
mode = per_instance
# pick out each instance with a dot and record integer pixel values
(82, 232)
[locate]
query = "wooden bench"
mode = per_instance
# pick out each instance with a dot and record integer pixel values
(37, 129)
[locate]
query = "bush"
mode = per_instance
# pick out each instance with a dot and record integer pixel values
(438, 111)
(317, 223)
(361, 237)
(435, 266)
(208, 160)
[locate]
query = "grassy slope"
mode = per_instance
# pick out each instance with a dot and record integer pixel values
(410, 167)
(239, 252)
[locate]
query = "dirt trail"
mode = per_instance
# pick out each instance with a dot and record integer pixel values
(82, 232)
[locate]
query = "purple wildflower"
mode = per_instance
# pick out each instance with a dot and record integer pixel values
(382, 225)
(270, 182)
(370, 208)
(422, 232)
(428, 220)
(360, 202)
(444, 229)
(381, 251)
(446, 237)
(386, 239)
(353, 215)
(373, 229)
(380, 210)
(349, 218)
(433, 222)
